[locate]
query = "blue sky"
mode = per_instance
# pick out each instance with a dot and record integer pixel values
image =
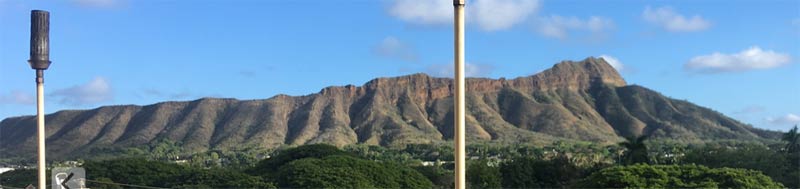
(737, 57)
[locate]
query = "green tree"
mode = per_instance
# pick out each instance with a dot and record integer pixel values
(677, 176)
(746, 155)
(441, 177)
(20, 178)
(536, 173)
(134, 171)
(105, 183)
(169, 175)
(268, 166)
(636, 150)
(792, 139)
(792, 153)
(340, 171)
(216, 178)
(481, 175)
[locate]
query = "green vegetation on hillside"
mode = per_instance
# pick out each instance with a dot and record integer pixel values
(562, 164)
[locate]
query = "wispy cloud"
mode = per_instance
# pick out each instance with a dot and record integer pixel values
(425, 12)
(18, 97)
(498, 15)
(614, 62)
(489, 15)
(668, 19)
(788, 119)
(753, 58)
(470, 70)
(99, 3)
(247, 73)
(95, 91)
(183, 95)
(749, 110)
(391, 47)
(561, 27)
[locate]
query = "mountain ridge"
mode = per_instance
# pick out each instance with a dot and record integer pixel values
(580, 100)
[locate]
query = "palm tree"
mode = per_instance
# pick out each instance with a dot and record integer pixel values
(793, 140)
(636, 150)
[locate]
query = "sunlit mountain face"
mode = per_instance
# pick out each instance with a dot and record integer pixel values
(584, 101)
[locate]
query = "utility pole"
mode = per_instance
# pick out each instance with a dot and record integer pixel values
(40, 61)
(460, 151)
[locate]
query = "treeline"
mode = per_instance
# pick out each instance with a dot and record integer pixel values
(310, 166)
(325, 166)
(638, 162)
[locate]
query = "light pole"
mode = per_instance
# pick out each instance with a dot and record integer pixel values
(460, 152)
(40, 61)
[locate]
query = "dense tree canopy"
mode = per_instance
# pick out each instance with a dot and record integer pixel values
(325, 166)
(724, 164)
(339, 171)
(161, 174)
(538, 173)
(482, 176)
(755, 156)
(268, 166)
(677, 176)
(20, 178)
(441, 177)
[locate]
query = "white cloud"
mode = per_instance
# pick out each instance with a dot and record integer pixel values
(668, 19)
(426, 12)
(788, 119)
(95, 91)
(470, 70)
(614, 62)
(753, 58)
(489, 15)
(18, 97)
(493, 15)
(392, 47)
(560, 27)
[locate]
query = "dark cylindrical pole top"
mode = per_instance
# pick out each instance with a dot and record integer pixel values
(40, 40)
(459, 2)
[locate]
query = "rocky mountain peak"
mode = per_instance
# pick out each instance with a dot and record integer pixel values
(573, 75)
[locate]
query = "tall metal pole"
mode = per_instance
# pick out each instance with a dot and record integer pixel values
(460, 152)
(40, 61)
(40, 126)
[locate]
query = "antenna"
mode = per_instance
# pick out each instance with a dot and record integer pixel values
(40, 61)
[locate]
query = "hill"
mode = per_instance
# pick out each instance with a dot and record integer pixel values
(574, 100)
